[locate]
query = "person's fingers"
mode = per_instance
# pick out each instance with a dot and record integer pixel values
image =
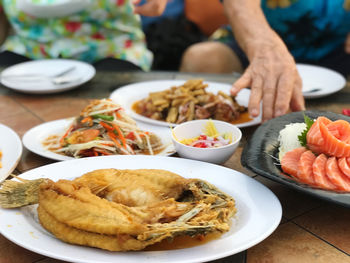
(255, 96)
(297, 102)
(151, 8)
(284, 94)
(347, 44)
(243, 82)
(269, 94)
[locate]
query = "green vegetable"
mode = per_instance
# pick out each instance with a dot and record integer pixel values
(103, 117)
(302, 136)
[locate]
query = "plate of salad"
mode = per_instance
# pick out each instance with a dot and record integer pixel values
(102, 128)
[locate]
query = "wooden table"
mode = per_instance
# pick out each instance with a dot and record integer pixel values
(311, 230)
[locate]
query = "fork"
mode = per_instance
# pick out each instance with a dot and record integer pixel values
(57, 79)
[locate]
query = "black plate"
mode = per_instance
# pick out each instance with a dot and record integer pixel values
(258, 155)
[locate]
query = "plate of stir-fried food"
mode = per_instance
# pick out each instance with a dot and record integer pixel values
(10, 151)
(102, 128)
(136, 208)
(171, 102)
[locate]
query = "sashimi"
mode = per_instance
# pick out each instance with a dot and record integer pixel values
(332, 145)
(319, 172)
(344, 166)
(314, 137)
(290, 161)
(340, 129)
(336, 176)
(305, 173)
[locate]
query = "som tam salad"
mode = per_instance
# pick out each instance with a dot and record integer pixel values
(103, 128)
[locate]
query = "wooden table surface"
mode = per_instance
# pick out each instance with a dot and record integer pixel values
(311, 230)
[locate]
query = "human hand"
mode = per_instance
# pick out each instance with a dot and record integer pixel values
(273, 79)
(347, 44)
(150, 8)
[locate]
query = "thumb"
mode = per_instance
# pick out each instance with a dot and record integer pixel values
(243, 82)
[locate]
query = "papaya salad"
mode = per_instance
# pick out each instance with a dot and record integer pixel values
(103, 128)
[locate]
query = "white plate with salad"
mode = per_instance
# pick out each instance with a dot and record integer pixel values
(102, 128)
(34, 138)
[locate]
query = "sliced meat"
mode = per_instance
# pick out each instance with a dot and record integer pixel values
(344, 166)
(319, 172)
(290, 161)
(305, 173)
(333, 146)
(336, 176)
(314, 137)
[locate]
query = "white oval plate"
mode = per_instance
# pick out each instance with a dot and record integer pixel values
(34, 137)
(259, 212)
(326, 80)
(82, 72)
(126, 96)
(11, 148)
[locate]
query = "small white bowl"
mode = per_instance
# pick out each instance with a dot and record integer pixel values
(193, 129)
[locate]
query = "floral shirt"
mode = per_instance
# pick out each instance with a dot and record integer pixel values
(99, 29)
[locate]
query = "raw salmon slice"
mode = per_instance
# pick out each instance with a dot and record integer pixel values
(305, 173)
(332, 145)
(340, 129)
(290, 161)
(319, 172)
(344, 166)
(314, 137)
(336, 176)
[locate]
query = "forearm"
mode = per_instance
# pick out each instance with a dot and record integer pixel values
(250, 26)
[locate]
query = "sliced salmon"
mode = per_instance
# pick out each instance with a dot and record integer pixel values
(319, 172)
(314, 137)
(344, 166)
(336, 176)
(305, 173)
(290, 161)
(333, 146)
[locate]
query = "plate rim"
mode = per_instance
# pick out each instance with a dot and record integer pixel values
(27, 138)
(247, 161)
(317, 95)
(19, 144)
(114, 93)
(271, 198)
(57, 88)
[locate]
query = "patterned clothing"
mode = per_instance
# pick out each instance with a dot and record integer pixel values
(103, 28)
(311, 29)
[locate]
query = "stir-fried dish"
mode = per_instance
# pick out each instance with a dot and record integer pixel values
(189, 101)
(103, 128)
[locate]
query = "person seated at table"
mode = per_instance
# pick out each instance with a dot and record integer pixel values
(105, 32)
(183, 23)
(269, 35)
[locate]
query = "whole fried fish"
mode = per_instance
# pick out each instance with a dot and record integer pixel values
(120, 210)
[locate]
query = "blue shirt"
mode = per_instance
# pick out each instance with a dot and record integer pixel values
(310, 28)
(174, 8)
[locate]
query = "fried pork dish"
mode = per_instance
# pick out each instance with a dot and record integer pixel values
(189, 102)
(103, 128)
(121, 210)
